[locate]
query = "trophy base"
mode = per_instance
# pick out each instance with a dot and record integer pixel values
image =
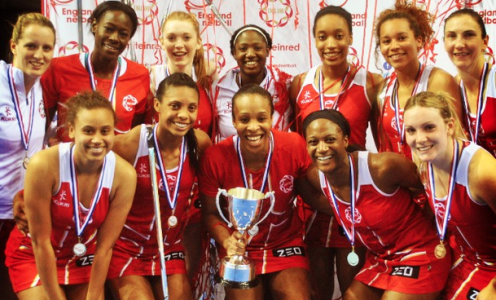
(236, 284)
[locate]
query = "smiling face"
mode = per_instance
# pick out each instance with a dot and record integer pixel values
(93, 133)
(326, 144)
(180, 41)
(463, 42)
(33, 51)
(253, 122)
(427, 133)
(177, 110)
(332, 39)
(398, 44)
(112, 34)
(251, 52)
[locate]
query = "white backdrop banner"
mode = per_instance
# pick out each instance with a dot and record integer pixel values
(288, 21)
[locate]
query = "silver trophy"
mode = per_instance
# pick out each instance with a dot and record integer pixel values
(245, 209)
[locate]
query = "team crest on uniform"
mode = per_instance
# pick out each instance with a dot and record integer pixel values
(286, 184)
(358, 215)
(440, 210)
(129, 102)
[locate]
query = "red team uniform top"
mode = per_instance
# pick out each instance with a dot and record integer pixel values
(487, 126)
(138, 238)
(353, 103)
(63, 237)
(388, 120)
(220, 168)
(397, 234)
(68, 76)
(473, 225)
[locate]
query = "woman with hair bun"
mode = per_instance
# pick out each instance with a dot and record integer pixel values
(401, 33)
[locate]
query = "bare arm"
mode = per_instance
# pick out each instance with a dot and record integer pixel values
(392, 170)
(39, 184)
(375, 84)
(309, 189)
(482, 179)
(120, 203)
(127, 145)
(489, 292)
(442, 81)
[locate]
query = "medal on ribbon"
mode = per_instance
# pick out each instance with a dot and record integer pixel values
(254, 230)
(352, 257)
(440, 250)
(26, 131)
(79, 248)
(172, 199)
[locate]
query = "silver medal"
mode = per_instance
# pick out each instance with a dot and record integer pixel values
(253, 231)
(172, 221)
(79, 249)
(353, 258)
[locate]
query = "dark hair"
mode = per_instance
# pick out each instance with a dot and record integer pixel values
(106, 6)
(183, 80)
(418, 19)
(329, 114)
(253, 89)
(469, 12)
(87, 100)
(234, 37)
(199, 60)
(333, 10)
(175, 80)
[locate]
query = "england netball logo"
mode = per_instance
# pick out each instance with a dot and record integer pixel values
(275, 13)
(440, 210)
(41, 110)
(323, 3)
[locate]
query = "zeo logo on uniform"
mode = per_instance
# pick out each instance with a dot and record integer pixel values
(406, 271)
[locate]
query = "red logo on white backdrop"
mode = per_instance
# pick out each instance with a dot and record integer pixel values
(324, 3)
(275, 13)
(71, 47)
(190, 5)
(215, 54)
(146, 12)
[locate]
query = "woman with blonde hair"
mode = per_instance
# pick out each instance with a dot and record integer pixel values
(461, 186)
(23, 115)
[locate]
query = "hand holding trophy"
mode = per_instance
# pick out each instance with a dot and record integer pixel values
(244, 209)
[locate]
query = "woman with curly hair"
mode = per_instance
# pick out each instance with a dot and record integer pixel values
(401, 33)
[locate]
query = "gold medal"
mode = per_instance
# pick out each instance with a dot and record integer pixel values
(440, 251)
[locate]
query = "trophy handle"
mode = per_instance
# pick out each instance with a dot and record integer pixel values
(272, 202)
(217, 203)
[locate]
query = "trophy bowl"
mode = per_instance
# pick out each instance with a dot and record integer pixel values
(244, 209)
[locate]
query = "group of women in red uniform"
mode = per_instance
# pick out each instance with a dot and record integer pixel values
(415, 221)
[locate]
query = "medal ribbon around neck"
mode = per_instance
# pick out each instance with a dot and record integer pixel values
(25, 135)
(182, 157)
(350, 234)
(399, 126)
(322, 90)
(113, 87)
(441, 230)
(75, 195)
(267, 163)
(474, 133)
